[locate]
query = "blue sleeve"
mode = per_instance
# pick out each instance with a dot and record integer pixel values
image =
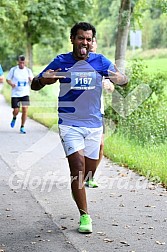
(107, 65)
(1, 71)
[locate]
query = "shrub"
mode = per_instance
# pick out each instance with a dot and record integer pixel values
(144, 123)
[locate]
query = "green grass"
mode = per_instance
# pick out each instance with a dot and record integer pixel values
(44, 103)
(147, 160)
(44, 106)
(154, 59)
(157, 53)
(37, 69)
(156, 65)
(150, 161)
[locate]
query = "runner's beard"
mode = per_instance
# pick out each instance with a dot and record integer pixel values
(80, 53)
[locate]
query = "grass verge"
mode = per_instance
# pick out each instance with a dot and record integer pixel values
(150, 161)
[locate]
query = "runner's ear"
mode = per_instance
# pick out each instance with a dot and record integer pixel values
(72, 39)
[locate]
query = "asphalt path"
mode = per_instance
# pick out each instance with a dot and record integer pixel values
(37, 212)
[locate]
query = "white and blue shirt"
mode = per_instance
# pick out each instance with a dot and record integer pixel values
(20, 77)
(79, 101)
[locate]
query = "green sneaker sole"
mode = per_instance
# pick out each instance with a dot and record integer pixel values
(85, 231)
(85, 224)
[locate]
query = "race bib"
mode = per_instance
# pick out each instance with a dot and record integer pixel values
(83, 80)
(21, 83)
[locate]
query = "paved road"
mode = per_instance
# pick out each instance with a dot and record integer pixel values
(37, 212)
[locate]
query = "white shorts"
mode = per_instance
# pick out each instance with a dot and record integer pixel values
(81, 138)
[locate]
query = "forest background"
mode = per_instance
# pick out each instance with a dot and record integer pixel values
(136, 116)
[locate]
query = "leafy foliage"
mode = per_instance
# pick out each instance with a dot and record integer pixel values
(39, 21)
(25, 23)
(148, 122)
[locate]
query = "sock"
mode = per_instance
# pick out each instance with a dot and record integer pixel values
(82, 212)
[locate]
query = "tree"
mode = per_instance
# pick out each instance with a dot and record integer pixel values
(127, 17)
(122, 34)
(50, 19)
(109, 10)
(41, 20)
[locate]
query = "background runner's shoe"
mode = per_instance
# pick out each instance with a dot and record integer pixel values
(85, 224)
(22, 130)
(12, 124)
(91, 183)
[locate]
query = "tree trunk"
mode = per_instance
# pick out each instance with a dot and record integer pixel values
(29, 55)
(122, 34)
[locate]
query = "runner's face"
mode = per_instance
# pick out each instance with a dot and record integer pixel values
(21, 64)
(94, 45)
(82, 44)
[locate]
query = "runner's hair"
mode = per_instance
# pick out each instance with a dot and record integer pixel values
(82, 26)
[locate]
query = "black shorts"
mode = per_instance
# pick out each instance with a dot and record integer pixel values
(15, 101)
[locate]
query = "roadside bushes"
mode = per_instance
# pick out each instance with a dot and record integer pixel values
(140, 112)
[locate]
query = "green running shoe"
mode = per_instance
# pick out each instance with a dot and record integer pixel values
(85, 224)
(91, 183)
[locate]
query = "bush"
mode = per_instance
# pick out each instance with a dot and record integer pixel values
(144, 123)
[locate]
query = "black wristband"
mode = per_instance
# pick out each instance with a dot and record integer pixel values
(40, 84)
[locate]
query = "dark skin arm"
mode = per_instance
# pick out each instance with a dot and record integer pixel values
(117, 77)
(48, 77)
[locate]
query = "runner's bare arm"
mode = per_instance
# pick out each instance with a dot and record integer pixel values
(10, 83)
(48, 77)
(118, 77)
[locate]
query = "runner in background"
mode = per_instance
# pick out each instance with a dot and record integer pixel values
(1, 77)
(107, 85)
(19, 78)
